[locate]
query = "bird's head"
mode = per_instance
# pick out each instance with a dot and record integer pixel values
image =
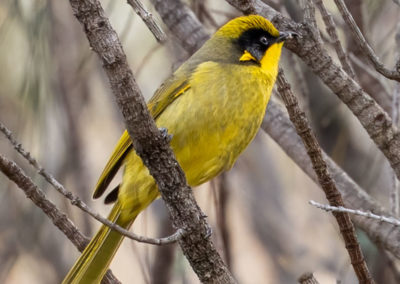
(253, 39)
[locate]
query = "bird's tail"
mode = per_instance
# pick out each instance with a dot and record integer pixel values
(95, 259)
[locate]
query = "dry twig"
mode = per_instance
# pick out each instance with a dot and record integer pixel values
(380, 218)
(76, 201)
(364, 46)
(298, 117)
(331, 30)
(148, 19)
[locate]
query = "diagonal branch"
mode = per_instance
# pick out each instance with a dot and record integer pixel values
(364, 46)
(152, 146)
(298, 117)
(59, 219)
(331, 30)
(149, 20)
(76, 201)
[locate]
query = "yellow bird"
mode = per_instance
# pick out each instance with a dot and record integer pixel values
(213, 106)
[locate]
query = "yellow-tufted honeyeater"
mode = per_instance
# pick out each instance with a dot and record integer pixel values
(213, 106)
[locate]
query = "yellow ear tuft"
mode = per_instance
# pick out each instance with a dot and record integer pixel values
(247, 56)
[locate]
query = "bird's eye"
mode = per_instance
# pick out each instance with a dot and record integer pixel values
(264, 40)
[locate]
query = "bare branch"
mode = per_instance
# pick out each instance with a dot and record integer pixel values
(364, 46)
(149, 20)
(76, 201)
(182, 22)
(59, 219)
(380, 218)
(298, 117)
(152, 146)
(331, 30)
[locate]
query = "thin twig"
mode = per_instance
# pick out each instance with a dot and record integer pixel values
(331, 30)
(76, 201)
(307, 278)
(59, 219)
(380, 218)
(364, 46)
(148, 19)
(298, 117)
(309, 13)
(368, 69)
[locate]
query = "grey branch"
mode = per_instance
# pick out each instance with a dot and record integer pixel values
(380, 218)
(76, 201)
(152, 146)
(59, 219)
(149, 20)
(365, 47)
(182, 22)
(331, 30)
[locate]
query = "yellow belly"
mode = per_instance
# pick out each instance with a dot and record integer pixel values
(211, 125)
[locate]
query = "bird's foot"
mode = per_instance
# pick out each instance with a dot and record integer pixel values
(165, 135)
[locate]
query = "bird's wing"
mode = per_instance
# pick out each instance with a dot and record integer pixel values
(164, 96)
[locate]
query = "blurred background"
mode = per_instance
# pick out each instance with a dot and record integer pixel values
(56, 99)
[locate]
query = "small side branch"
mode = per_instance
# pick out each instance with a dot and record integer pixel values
(380, 218)
(59, 219)
(331, 30)
(298, 117)
(149, 20)
(76, 201)
(365, 47)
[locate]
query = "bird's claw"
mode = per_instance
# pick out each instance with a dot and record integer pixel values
(164, 134)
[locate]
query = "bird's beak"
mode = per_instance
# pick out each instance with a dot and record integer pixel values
(285, 35)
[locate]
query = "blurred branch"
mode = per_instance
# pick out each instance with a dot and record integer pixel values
(380, 218)
(182, 22)
(222, 216)
(307, 278)
(372, 117)
(152, 146)
(59, 219)
(298, 117)
(79, 203)
(331, 30)
(148, 19)
(365, 47)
